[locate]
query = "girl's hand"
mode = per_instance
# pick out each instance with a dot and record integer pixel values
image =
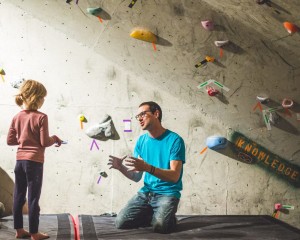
(57, 141)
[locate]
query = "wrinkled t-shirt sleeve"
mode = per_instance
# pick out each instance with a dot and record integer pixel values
(137, 152)
(178, 150)
(45, 140)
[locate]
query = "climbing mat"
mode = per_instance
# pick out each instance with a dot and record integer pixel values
(57, 226)
(193, 227)
(89, 227)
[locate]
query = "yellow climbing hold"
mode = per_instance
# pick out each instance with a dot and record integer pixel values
(144, 35)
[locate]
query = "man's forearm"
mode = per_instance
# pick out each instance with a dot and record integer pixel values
(169, 175)
(132, 175)
(166, 175)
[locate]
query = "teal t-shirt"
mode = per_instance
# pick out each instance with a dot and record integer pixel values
(159, 152)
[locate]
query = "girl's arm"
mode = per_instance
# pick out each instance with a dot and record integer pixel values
(12, 135)
(45, 139)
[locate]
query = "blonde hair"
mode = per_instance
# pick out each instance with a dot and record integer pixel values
(31, 92)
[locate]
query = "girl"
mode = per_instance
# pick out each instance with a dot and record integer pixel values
(29, 130)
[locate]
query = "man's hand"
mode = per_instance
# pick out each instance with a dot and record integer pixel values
(115, 162)
(137, 164)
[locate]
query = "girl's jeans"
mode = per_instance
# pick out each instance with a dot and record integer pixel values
(28, 174)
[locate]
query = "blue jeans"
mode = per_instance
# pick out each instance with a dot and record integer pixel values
(146, 209)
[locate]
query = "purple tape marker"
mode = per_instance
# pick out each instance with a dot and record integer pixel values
(99, 180)
(94, 142)
(127, 123)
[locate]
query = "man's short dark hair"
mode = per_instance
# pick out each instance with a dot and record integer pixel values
(153, 107)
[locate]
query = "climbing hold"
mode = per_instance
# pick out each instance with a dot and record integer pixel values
(94, 11)
(208, 25)
(262, 99)
(2, 73)
(290, 27)
(279, 206)
(287, 103)
(144, 35)
(207, 59)
(212, 91)
(270, 116)
(17, 83)
(221, 43)
(132, 3)
(273, 117)
(82, 119)
(103, 174)
(216, 142)
(103, 130)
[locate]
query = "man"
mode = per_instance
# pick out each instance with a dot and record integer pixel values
(160, 153)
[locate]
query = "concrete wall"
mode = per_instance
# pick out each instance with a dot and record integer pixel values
(95, 68)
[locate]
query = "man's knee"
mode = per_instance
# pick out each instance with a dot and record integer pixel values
(161, 226)
(123, 222)
(119, 222)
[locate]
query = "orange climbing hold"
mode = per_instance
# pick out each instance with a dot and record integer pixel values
(290, 27)
(209, 59)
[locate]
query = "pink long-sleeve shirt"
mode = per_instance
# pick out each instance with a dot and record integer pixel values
(29, 130)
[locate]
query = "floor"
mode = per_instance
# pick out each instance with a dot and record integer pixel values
(64, 226)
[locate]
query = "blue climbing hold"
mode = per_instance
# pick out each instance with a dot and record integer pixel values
(216, 142)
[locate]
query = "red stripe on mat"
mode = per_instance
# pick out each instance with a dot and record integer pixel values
(76, 227)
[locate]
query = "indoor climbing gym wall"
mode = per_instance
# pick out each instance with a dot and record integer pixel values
(226, 74)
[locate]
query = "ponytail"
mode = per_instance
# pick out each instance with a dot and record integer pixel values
(19, 100)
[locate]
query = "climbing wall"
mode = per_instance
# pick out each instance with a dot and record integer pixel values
(213, 66)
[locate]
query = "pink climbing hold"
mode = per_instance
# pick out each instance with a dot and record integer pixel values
(208, 25)
(278, 206)
(212, 91)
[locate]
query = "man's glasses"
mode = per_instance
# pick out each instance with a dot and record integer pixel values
(141, 115)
